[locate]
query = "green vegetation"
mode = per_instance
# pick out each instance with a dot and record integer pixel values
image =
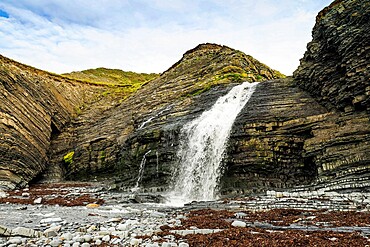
(102, 155)
(68, 158)
(117, 81)
(111, 77)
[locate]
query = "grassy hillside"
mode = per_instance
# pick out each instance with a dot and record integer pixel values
(118, 81)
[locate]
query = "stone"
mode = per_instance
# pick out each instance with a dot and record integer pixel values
(240, 215)
(85, 245)
(166, 244)
(92, 205)
(87, 238)
(55, 243)
(50, 234)
(135, 242)
(52, 231)
(3, 194)
(76, 244)
(67, 236)
(183, 245)
(26, 232)
(37, 201)
(156, 214)
(106, 238)
(238, 223)
(4, 231)
(122, 227)
(50, 220)
(15, 240)
(115, 220)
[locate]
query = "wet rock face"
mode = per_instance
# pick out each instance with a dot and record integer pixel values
(112, 142)
(335, 67)
(283, 139)
(267, 141)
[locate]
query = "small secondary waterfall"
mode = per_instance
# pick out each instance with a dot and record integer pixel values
(202, 146)
(141, 171)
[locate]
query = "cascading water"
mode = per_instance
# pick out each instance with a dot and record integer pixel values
(141, 171)
(202, 146)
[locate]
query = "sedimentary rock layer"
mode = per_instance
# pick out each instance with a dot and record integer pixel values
(34, 106)
(335, 67)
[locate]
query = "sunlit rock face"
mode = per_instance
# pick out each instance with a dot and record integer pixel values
(34, 107)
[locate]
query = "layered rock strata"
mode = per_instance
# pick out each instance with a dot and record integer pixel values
(335, 71)
(115, 140)
(35, 106)
(335, 67)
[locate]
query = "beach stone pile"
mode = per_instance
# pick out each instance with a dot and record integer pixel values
(83, 226)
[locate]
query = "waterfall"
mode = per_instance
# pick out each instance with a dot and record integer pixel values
(202, 147)
(141, 171)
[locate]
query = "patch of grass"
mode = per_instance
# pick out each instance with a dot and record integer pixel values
(68, 158)
(102, 155)
(117, 82)
(112, 77)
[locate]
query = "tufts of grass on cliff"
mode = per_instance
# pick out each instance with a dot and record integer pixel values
(117, 81)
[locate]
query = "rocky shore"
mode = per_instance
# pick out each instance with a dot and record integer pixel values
(97, 217)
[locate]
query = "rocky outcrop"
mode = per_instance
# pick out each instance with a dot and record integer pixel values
(34, 106)
(335, 67)
(284, 139)
(311, 130)
(266, 147)
(335, 71)
(115, 140)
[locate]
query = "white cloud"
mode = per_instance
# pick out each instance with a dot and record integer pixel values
(149, 36)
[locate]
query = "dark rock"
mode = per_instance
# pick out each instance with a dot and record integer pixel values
(111, 143)
(335, 67)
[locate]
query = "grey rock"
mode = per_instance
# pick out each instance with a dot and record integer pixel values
(26, 232)
(55, 242)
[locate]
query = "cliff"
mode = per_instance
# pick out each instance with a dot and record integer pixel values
(111, 144)
(311, 130)
(35, 106)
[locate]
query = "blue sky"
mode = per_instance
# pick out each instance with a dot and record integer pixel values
(151, 35)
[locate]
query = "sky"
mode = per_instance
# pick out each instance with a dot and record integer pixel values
(150, 35)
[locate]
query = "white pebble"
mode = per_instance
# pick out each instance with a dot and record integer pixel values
(77, 244)
(37, 201)
(135, 242)
(87, 238)
(238, 223)
(67, 236)
(106, 238)
(55, 242)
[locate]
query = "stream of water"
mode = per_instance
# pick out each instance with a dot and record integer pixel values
(202, 147)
